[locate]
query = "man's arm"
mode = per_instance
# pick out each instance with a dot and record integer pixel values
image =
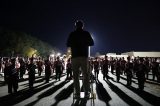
(69, 41)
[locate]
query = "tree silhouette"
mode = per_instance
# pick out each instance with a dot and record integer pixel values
(13, 43)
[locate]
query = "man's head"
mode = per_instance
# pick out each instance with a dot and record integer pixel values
(79, 24)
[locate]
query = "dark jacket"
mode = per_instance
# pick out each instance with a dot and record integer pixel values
(79, 40)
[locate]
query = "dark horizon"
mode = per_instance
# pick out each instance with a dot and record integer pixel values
(116, 26)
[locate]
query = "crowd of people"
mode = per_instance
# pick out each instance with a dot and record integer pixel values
(138, 68)
(14, 69)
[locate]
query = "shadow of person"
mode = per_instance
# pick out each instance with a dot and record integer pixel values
(48, 92)
(26, 79)
(22, 95)
(122, 95)
(150, 98)
(108, 77)
(76, 103)
(102, 93)
(3, 83)
(125, 78)
(83, 102)
(64, 94)
(153, 82)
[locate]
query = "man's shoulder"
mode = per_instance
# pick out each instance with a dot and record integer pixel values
(71, 33)
(84, 31)
(77, 31)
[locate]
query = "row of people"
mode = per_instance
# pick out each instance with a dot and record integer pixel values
(15, 69)
(152, 65)
(139, 67)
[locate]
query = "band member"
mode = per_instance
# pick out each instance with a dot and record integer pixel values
(123, 62)
(105, 65)
(155, 68)
(69, 69)
(147, 64)
(129, 67)
(40, 66)
(96, 67)
(31, 72)
(6, 69)
(118, 69)
(141, 74)
(12, 77)
(58, 66)
(22, 68)
(48, 69)
(112, 64)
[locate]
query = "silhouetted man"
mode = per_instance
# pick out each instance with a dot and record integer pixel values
(141, 74)
(69, 69)
(58, 66)
(48, 68)
(118, 69)
(79, 41)
(31, 72)
(12, 77)
(129, 68)
(96, 68)
(105, 67)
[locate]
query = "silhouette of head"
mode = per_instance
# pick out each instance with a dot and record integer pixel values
(141, 60)
(128, 58)
(58, 57)
(79, 24)
(13, 60)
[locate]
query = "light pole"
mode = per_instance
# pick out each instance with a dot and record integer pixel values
(89, 51)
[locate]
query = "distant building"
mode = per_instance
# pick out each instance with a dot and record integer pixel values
(142, 54)
(114, 55)
(132, 54)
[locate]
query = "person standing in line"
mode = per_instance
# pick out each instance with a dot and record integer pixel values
(105, 67)
(141, 74)
(79, 42)
(129, 68)
(48, 69)
(118, 69)
(112, 64)
(96, 68)
(39, 65)
(31, 72)
(147, 64)
(22, 67)
(58, 66)
(155, 69)
(135, 65)
(6, 69)
(69, 69)
(123, 62)
(12, 77)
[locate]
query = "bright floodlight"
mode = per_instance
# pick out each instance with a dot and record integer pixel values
(52, 55)
(58, 54)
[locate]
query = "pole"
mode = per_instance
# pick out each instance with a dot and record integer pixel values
(89, 51)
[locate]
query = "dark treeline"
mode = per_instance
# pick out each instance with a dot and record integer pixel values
(13, 43)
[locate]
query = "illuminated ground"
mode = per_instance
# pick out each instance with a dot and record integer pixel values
(108, 93)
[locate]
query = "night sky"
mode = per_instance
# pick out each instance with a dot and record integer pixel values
(116, 25)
